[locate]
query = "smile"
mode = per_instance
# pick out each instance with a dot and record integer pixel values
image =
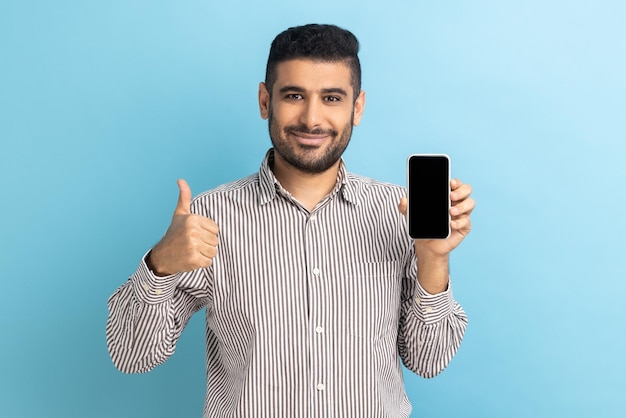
(309, 140)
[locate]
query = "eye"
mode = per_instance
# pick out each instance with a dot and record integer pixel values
(293, 96)
(332, 99)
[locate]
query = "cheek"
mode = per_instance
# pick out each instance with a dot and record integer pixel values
(342, 115)
(343, 121)
(284, 111)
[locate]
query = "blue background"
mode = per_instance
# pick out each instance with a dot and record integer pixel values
(104, 104)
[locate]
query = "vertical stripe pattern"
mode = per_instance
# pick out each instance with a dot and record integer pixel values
(308, 314)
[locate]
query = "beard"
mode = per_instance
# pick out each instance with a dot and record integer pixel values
(307, 158)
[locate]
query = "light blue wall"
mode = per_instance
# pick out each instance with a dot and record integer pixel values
(104, 104)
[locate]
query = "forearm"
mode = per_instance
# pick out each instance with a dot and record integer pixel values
(430, 332)
(139, 335)
(146, 317)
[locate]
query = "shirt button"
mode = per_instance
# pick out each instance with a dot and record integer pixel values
(320, 386)
(313, 218)
(145, 286)
(418, 301)
(428, 309)
(158, 291)
(316, 271)
(319, 330)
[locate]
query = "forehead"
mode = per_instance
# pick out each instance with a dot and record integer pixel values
(313, 75)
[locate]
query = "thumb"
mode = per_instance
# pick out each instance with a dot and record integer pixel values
(183, 207)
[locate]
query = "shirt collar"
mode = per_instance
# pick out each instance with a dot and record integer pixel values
(269, 183)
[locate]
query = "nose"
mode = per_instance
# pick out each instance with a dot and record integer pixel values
(311, 114)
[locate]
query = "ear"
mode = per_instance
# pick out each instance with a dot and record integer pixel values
(359, 106)
(264, 101)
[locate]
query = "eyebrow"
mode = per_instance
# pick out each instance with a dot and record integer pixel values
(336, 90)
(297, 89)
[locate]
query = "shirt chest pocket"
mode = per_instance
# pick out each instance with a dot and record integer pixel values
(373, 299)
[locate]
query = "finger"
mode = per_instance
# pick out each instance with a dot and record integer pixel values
(208, 238)
(455, 184)
(402, 206)
(460, 193)
(208, 251)
(464, 207)
(209, 225)
(462, 223)
(199, 261)
(183, 207)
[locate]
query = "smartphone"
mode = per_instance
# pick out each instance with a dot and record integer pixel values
(428, 189)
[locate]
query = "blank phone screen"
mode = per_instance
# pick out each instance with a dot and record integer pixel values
(429, 196)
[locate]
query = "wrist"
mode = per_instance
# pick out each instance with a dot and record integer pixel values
(153, 265)
(425, 256)
(433, 272)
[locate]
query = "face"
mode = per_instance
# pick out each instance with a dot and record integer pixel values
(310, 113)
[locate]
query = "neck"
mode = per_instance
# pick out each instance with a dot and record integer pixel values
(308, 189)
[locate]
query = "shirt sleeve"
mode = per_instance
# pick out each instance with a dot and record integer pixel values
(147, 315)
(431, 328)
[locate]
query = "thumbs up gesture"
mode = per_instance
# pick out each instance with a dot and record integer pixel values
(189, 243)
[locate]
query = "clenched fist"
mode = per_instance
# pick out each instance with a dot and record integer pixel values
(189, 243)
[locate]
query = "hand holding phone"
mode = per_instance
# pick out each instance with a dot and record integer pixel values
(428, 188)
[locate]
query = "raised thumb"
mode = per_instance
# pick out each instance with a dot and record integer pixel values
(183, 207)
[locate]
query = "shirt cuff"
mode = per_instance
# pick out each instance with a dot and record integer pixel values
(431, 308)
(150, 288)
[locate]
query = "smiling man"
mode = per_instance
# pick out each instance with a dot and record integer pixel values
(314, 292)
(311, 110)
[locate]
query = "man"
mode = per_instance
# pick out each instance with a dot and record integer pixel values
(313, 289)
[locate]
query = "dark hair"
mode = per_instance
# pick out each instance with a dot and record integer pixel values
(326, 43)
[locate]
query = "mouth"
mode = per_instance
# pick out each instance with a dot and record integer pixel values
(309, 140)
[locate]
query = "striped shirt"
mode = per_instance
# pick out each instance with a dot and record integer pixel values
(308, 314)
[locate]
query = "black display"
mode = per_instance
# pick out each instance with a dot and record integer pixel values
(428, 184)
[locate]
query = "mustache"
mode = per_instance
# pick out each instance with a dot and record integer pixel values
(301, 129)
